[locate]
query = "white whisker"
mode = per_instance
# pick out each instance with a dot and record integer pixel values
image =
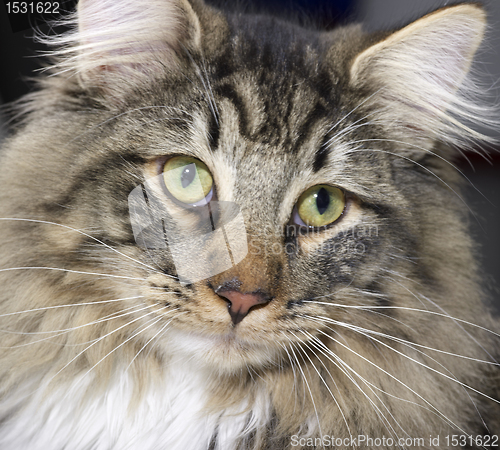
(345, 369)
(368, 308)
(80, 232)
(104, 275)
(292, 345)
(323, 380)
(161, 331)
(399, 381)
(47, 308)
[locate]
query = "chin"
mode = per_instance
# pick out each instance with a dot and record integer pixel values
(223, 354)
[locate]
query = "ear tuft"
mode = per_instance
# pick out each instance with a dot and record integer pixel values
(125, 38)
(420, 73)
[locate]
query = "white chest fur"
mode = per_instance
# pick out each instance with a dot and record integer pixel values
(171, 417)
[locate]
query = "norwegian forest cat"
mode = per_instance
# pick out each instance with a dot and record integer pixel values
(228, 231)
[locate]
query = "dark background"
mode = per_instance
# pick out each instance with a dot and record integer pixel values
(18, 61)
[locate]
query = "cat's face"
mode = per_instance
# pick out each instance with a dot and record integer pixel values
(275, 131)
(239, 195)
(328, 202)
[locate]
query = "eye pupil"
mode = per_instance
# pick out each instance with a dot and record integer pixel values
(322, 200)
(188, 175)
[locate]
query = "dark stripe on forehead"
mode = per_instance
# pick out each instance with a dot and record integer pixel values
(213, 132)
(317, 113)
(321, 156)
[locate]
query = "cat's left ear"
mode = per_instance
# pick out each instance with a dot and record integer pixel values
(418, 76)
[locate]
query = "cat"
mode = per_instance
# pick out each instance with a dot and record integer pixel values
(228, 231)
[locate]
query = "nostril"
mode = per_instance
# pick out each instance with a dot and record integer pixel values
(239, 305)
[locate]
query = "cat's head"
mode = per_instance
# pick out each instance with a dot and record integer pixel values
(248, 183)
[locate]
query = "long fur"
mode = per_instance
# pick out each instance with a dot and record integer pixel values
(373, 326)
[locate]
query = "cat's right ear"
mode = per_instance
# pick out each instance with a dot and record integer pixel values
(117, 41)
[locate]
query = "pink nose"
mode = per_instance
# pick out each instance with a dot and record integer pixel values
(240, 304)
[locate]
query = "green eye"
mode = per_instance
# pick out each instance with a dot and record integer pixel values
(187, 179)
(319, 206)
